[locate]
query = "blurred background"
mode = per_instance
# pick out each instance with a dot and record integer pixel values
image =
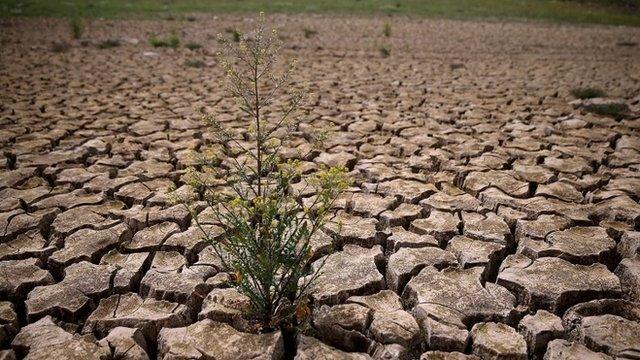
(615, 12)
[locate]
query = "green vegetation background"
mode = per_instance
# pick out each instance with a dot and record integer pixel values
(614, 12)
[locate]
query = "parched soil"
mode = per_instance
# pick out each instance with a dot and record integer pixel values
(490, 214)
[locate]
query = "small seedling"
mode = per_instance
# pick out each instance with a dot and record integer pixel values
(587, 93)
(108, 44)
(235, 34)
(194, 64)
(192, 46)
(614, 110)
(385, 51)
(171, 41)
(309, 32)
(75, 25)
(386, 30)
(60, 47)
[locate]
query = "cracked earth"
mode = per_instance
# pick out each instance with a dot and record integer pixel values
(490, 217)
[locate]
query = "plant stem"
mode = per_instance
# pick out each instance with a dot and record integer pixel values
(258, 135)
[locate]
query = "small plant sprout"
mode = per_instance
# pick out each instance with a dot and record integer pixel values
(309, 32)
(613, 109)
(386, 30)
(236, 35)
(246, 185)
(172, 41)
(384, 51)
(587, 93)
(193, 46)
(76, 28)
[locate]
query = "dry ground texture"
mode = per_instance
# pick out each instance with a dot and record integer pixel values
(489, 215)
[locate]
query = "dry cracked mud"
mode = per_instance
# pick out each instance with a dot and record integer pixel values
(491, 216)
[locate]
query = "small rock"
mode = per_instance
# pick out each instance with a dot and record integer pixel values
(441, 355)
(370, 205)
(395, 327)
(471, 253)
(130, 310)
(622, 208)
(208, 339)
(70, 299)
(69, 200)
(408, 262)
(18, 277)
(344, 326)
(447, 202)
(534, 173)
(384, 301)
(400, 216)
(389, 351)
(26, 245)
(441, 225)
(8, 322)
(337, 159)
(89, 245)
(225, 305)
(444, 302)
(193, 240)
(629, 244)
(560, 190)
(578, 245)
(350, 229)
(409, 191)
(178, 214)
(539, 329)
(129, 266)
(475, 182)
(572, 165)
(443, 328)
(540, 228)
(401, 238)
(563, 350)
(44, 340)
(493, 341)
(312, 349)
(79, 218)
(461, 291)
(554, 284)
(628, 271)
(391, 324)
(152, 237)
(611, 334)
(170, 279)
(349, 272)
(126, 344)
(18, 222)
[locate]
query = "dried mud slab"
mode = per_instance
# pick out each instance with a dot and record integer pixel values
(490, 213)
